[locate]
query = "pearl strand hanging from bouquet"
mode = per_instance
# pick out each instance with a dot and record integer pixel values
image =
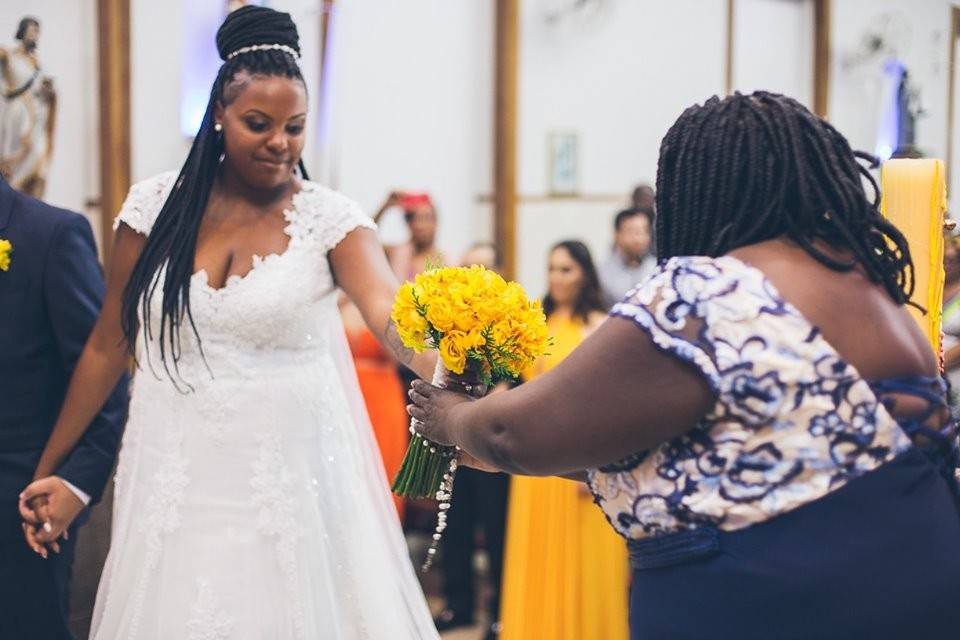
(444, 495)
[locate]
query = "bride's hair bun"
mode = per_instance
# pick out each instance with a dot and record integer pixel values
(254, 26)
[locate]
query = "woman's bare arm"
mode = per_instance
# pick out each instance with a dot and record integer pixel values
(615, 395)
(363, 272)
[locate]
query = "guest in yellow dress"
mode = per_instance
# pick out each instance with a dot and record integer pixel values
(566, 573)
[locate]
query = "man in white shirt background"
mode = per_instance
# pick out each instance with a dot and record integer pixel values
(632, 259)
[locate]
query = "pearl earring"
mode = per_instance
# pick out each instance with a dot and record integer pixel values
(218, 127)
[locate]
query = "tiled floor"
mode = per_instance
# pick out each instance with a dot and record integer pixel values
(464, 633)
(431, 586)
(473, 633)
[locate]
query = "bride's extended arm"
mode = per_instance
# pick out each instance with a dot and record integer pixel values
(362, 271)
(104, 359)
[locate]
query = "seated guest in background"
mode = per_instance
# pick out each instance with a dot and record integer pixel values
(419, 252)
(566, 572)
(480, 504)
(483, 254)
(632, 260)
(51, 288)
(644, 196)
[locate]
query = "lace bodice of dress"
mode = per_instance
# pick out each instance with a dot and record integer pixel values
(280, 311)
(793, 421)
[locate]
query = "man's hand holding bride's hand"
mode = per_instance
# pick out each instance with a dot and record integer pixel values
(48, 508)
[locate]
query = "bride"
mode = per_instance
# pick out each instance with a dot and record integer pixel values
(250, 499)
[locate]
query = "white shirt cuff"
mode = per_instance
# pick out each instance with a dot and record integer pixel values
(84, 498)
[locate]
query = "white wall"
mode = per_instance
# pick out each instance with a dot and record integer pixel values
(773, 47)
(410, 107)
(156, 58)
(921, 30)
(619, 79)
(68, 53)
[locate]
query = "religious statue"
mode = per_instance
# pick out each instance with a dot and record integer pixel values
(909, 110)
(28, 106)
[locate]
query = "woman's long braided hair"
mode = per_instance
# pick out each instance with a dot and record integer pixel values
(750, 168)
(172, 242)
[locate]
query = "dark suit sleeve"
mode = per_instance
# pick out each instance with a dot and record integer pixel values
(73, 292)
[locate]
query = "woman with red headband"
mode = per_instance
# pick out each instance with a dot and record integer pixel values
(419, 252)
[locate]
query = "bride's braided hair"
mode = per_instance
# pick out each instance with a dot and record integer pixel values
(173, 240)
(750, 168)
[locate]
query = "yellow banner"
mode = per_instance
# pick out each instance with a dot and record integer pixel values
(915, 200)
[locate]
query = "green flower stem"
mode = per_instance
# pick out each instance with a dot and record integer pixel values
(422, 470)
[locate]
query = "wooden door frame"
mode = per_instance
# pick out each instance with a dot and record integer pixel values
(821, 57)
(951, 88)
(507, 63)
(113, 27)
(821, 54)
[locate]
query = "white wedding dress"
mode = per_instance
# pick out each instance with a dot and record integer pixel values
(254, 506)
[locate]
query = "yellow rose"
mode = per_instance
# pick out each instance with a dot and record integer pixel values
(501, 331)
(411, 326)
(425, 289)
(415, 337)
(413, 332)
(441, 314)
(465, 320)
(452, 353)
(405, 296)
(514, 296)
(473, 339)
(487, 311)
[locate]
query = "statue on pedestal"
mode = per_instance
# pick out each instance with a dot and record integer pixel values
(909, 110)
(28, 106)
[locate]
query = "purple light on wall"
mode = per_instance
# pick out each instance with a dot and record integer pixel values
(888, 134)
(200, 61)
(325, 95)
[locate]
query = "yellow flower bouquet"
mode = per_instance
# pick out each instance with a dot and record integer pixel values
(486, 329)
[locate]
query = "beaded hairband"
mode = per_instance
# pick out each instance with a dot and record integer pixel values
(265, 47)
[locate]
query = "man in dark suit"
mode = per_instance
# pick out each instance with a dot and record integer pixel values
(50, 296)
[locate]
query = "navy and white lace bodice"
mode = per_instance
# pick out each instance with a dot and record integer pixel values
(792, 421)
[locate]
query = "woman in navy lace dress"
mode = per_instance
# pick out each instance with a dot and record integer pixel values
(762, 420)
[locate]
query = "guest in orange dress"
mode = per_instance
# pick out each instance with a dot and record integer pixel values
(382, 392)
(420, 252)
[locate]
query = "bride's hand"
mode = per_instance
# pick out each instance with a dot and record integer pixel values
(35, 514)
